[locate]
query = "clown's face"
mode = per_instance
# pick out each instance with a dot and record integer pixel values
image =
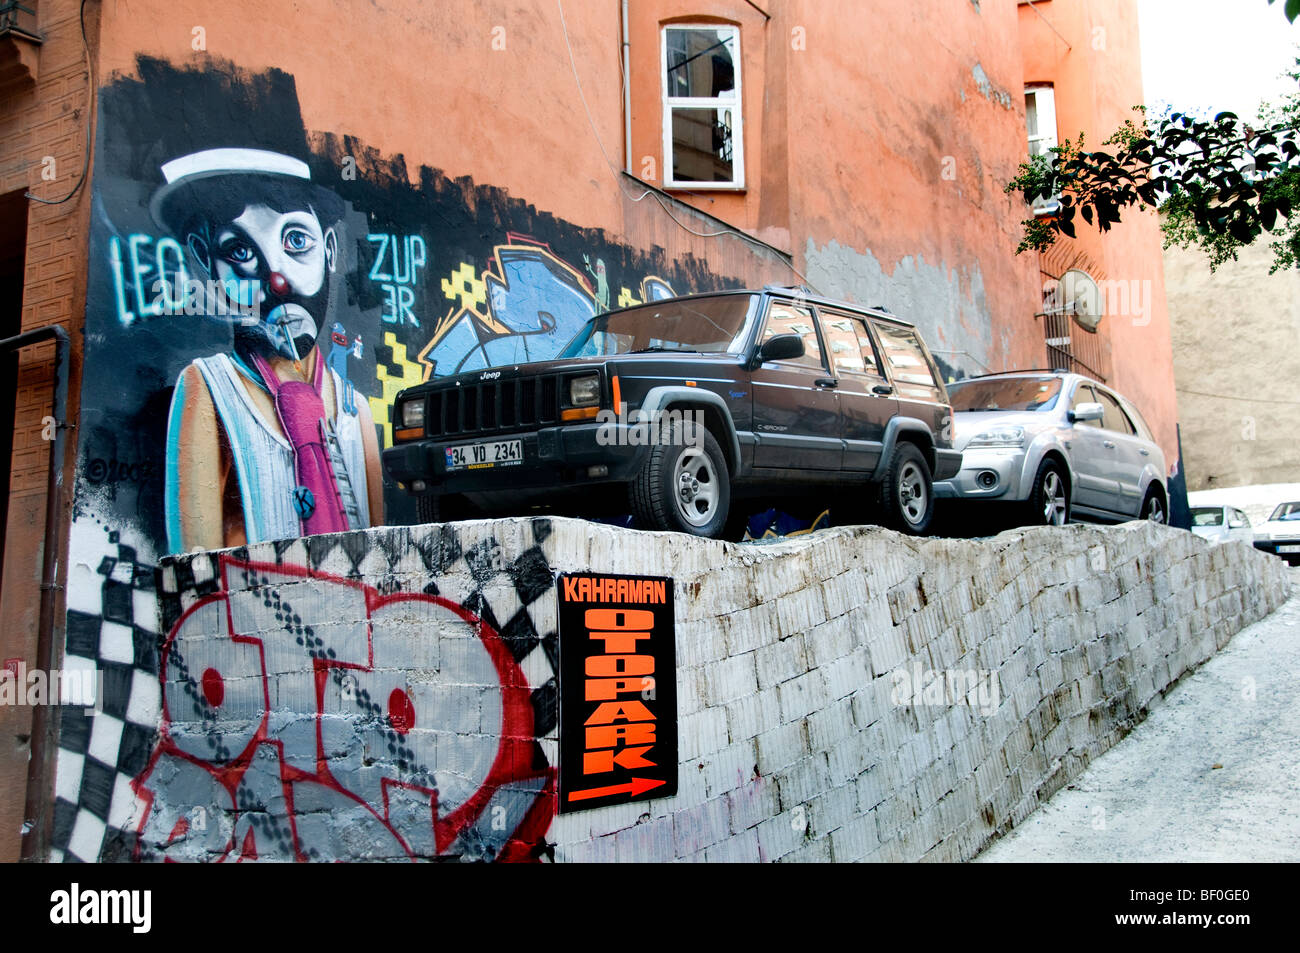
(284, 259)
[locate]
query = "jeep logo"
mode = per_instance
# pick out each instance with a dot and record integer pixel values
(489, 375)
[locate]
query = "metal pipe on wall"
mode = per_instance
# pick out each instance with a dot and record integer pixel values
(627, 95)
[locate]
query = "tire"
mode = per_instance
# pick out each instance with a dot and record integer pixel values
(907, 492)
(684, 485)
(1049, 500)
(1153, 507)
(428, 508)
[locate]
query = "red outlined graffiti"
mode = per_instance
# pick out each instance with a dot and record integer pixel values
(237, 774)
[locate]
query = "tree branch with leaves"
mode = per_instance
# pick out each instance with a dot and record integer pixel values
(1222, 183)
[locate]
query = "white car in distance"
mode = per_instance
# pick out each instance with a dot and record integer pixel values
(1221, 523)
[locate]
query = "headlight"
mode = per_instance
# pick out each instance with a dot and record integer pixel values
(998, 437)
(412, 414)
(584, 391)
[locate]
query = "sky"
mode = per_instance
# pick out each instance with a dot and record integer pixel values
(1206, 56)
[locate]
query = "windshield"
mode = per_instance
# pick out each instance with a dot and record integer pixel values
(715, 325)
(1207, 516)
(1287, 511)
(1005, 393)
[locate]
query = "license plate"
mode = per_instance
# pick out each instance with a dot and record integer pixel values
(485, 455)
(1288, 549)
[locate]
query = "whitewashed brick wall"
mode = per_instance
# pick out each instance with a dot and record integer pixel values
(792, 746)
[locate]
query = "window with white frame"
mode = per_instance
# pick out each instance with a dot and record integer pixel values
(1040, 118)
(703, 143)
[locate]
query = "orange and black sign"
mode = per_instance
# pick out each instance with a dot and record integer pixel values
(618, 690)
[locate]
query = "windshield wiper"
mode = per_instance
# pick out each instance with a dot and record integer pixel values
(660, 347)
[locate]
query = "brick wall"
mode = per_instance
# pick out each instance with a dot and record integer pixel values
(798, 737)
(40, 119)
(799, 740)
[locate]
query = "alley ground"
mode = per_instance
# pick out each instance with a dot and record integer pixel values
(1213, 774)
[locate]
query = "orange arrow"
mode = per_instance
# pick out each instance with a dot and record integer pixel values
(634, 787)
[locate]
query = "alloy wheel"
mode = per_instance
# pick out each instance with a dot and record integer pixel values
(695, 486)
(1155, 510)
(1053, 499)
(912, 493)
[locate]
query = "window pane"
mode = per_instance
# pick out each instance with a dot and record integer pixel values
(702, 145)
(1040, 119)
(701, 62)
(907, 363)
(1114, 419)
(709, 324)
(1207, 516)
(1135, 417)
(787, 319)
(1025, 394)
(849, 344)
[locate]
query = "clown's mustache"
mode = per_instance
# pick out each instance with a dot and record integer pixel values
(288, 330)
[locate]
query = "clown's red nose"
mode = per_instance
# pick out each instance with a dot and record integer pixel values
(279, 283)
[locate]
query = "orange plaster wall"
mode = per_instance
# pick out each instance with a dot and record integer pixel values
(1098, 79)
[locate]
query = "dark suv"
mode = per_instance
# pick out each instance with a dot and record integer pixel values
(670, 409)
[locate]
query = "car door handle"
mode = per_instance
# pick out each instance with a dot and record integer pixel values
(882, 389)
(1145, 452)
(827, 382)
(1108, 444)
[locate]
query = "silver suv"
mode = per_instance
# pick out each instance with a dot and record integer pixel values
(1056, 444)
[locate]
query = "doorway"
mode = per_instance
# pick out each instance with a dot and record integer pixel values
(13, 248)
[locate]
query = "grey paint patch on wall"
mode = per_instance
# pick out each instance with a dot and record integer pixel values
(987, 89)
(948, 305)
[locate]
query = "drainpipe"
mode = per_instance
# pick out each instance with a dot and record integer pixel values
(627, 96)
(45, 718)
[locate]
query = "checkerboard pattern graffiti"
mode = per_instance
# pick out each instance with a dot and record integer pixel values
(391, 750)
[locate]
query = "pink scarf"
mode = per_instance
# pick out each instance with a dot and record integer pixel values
(301, 410)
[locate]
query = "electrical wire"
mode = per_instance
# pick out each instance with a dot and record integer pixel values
(655, 193)
(90, 104)
(1253, 400)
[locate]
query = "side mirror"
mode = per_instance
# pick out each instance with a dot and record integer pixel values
(1087, 412)
(781, 347)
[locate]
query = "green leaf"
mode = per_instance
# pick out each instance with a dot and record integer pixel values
(1292, 9)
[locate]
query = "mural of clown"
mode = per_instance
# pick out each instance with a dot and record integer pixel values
(263, 442)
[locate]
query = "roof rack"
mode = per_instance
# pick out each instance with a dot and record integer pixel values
(1021, 370)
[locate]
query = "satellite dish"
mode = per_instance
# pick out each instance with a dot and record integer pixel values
(1080, 297)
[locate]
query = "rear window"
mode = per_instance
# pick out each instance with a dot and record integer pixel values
(907, 364)
(1005, 393)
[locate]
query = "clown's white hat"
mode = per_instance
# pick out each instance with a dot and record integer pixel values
(214, 163)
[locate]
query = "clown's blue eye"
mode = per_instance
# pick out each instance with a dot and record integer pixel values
(297, 240)
(239, 252)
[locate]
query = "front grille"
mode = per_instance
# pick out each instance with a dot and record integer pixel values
(489, 407)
